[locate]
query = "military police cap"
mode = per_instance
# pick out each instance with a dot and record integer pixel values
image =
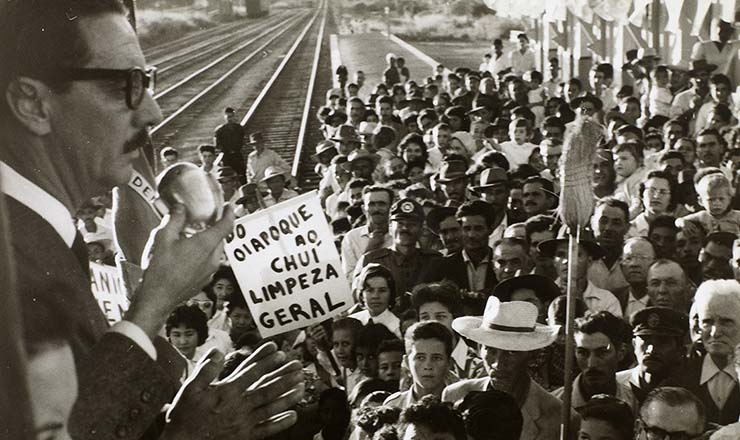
(407, 209)
(662, 321)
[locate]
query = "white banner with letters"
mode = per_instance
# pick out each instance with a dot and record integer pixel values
(287, 266)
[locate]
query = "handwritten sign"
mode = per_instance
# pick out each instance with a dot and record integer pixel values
(287, 266)
(108, 288)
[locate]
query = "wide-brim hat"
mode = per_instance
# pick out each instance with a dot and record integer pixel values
(507, 326)
(272, 172)
(324, 146)
(548, 247)
(452, 170)
(437, 214)
(576, 103)
(245, 191)
(360, 154)
(700, 66)
(545, 288)
(491, 177)
(346, 133)
(336, 114)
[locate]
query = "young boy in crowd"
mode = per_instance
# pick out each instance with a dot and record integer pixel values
(660, 97)
(390, 356)
(429, 353)
(715, 194)
(630, 174)
(519, 148)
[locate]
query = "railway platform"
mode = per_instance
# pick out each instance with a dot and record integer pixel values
(366, 52)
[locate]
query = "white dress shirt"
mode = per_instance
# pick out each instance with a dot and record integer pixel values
(719, 382)
(354, 244)
(521, 62)
(597, 299)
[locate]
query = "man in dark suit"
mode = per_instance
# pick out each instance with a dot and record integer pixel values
(712, 377)
(74, 120)
(471, 268)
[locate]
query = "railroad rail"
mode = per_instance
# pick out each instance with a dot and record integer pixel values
(285, 108)
(196, 93)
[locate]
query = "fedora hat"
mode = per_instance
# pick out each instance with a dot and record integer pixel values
(507, 326)
(324, 146)
(336, 114)
(647, 52)
(545, 289)
(346, 133)
(245, 191)
(360, 154)
(271, 172)
(491, 177)
(700, 66)
(452, 170)
(548, 247)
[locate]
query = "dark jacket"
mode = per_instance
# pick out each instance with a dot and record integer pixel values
(121, 389)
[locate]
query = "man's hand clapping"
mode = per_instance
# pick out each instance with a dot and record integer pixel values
(252, 403)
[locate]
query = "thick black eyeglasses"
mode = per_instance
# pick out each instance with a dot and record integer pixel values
(138, 80)
(655, 433)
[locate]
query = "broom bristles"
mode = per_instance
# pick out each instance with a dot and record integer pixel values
(576, 166)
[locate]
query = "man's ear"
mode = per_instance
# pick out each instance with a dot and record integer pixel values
(27, 99)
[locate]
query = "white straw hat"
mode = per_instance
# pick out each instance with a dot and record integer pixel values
(507, 326)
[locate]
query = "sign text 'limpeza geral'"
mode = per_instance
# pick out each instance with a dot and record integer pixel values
(287, 266)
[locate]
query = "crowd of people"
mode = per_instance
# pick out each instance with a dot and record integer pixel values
(443, 195)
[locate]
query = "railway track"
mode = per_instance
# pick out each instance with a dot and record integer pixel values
(212, 46)
(193, 106)
(293, 89)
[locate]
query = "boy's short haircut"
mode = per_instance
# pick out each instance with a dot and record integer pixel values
(630, 100)
(358, 183)
(520, 123)
(719, 78)
(535, 76)
(714, 181)
(624, 129)
(437, 416)
(371, 336)
(605, 68)
(352, 325)
(553, 121)
(444, 292)
(558, 308)
(538, 223)
(661, 69)
(634, 148)
(477, 208)
(384, 100)
(663, 221)
(429, 330)
(723, 111)
(207, 149)
(672, 154)
(575, 82)
(390, 346)
(235, 300)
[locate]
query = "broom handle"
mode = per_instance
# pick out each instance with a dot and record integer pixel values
(569, 341)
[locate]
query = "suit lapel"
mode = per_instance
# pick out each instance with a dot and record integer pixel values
(47, 269)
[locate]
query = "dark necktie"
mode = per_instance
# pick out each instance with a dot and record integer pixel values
(79, 248)
(370, 321)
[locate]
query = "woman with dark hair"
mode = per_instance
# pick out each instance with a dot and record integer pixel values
(377, 295)
(413, 149)
(222, 285)
(659, 196)
(217, 338)
(187, 329)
